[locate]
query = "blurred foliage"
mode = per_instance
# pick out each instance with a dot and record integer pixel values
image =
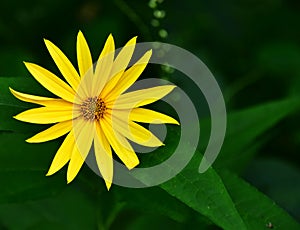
(252, 48)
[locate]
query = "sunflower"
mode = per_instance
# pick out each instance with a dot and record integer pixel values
(93, 107)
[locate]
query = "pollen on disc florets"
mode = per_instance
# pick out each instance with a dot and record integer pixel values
(93, 108)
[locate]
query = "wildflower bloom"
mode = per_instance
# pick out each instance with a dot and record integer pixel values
(93, 108)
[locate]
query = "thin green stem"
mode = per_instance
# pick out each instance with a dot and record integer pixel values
(134, 17)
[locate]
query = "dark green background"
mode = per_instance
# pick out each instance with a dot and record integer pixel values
(253, 49)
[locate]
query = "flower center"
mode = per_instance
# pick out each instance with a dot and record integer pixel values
(93, 108)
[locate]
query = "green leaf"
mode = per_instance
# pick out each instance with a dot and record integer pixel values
(232, 205)
(243, 129)
(256, 209)
(70, 209)
(200, 191)
(279, 180)
(206, 194)
(23, 167)
(149, 201)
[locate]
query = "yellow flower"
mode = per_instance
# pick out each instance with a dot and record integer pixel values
(92, 108)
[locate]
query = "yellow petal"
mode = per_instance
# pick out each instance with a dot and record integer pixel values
(64, 65)
(46, 115)
(120, 64)
(120, 145)
(103, 67)
(84, 132)
(134, 132)
(51, 82)
(140, 97)
(75, 164)
(150, 116)
(122, 60)
(130, 76)
(46, 101)
(84, 57)
(84, 90)
(52, 133)
(103, 156)
(63, 154)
